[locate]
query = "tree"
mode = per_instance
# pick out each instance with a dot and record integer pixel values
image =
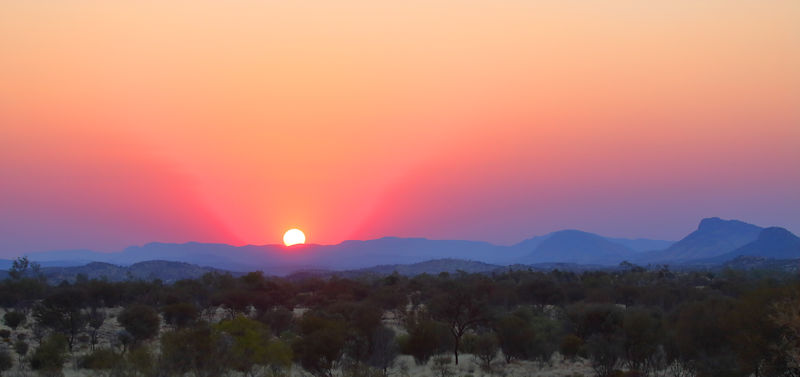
(462, 307)
(21, 266)
(252, 346)
(180, 314)
(643, 337)
(199, 350)
(604, 351)
(96, 320)
(485, 349)
(384, 349)
(515, 336)
(320, 345)
(141, 321)
(425, 339)
(62, 312)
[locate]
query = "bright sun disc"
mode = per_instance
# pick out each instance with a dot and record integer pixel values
(293, 237)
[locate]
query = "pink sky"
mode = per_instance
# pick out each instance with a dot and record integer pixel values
(127, 122)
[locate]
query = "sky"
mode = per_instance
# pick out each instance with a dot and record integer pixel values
(133, 121)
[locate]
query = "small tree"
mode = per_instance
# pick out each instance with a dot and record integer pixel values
(140, 321)
(485, 349)
(252, 346)
(63, 313)
(384, 349)
(321, 345)
(96, 320)
(462, 307)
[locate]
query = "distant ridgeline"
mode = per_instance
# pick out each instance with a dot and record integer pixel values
(716, 243)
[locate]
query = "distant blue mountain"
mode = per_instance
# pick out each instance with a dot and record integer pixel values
(773, 242)
(713, 237)
(575, 246)
(642, 244)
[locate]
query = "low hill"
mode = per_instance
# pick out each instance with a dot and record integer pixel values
(169, 272)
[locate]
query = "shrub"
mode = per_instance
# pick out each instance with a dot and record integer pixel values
(570, 346)
(49, 357)
(5, 360)
(102, 358)
(13, 319)
(21, 348)
(140, 321)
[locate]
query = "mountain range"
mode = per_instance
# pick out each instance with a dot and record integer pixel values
(714, 241)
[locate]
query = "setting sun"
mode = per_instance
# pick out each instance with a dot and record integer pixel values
(293, 237)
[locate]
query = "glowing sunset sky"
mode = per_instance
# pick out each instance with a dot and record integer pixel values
(125, 122)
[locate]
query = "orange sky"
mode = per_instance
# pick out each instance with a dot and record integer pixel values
(129, 121)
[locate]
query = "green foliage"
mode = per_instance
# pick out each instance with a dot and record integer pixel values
(21, 348)
(180, 314)
(100, 359)
(425, 339)
(321, 344)
(6, 362)
(639, 320)
(198, 350)
(442, 366)
(50, 356)
(14, 318)
(141, 321)
(485, 347)
(384, 349)
(570, 346)
(253, 345)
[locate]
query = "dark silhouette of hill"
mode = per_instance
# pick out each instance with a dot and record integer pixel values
(169, 272)
(713, 237)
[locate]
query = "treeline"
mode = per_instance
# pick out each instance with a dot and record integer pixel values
(633, 322)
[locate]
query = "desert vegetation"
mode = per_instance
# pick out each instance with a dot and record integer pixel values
(632, 322)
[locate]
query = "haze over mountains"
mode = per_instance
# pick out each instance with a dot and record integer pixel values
(715, 241)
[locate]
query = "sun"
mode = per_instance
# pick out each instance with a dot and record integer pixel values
(294, 236)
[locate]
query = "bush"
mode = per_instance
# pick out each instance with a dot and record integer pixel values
(140, 321)
(13, 319)
(442, 366)
(5, 360)
(21, 348)
(180, 314)
(102, 358)
(49, 357)
(5, 334)
(570, 346)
